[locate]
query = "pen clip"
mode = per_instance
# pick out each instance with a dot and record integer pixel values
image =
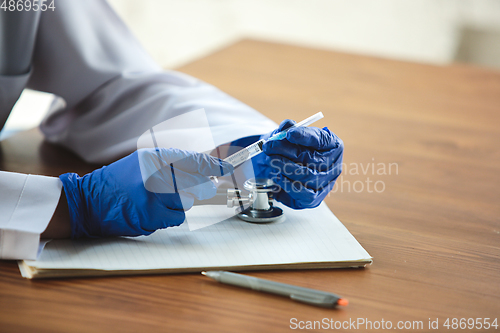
(320, 300)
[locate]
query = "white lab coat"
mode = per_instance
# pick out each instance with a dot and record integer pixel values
(110, 92)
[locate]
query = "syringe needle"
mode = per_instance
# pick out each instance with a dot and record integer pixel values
(254, 149)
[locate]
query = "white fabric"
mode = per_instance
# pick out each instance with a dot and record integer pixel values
(110, 93)
(114, 91)
(11, 88)
(27, 203)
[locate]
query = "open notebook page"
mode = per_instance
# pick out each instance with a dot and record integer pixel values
(303, 236)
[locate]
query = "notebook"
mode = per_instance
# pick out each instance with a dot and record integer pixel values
(303, 239)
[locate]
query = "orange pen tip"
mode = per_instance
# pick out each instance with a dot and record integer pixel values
(342, 302)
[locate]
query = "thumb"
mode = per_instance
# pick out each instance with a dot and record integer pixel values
(286, 124)
(194, 162)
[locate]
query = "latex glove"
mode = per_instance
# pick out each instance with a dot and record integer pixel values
(305, 164)
(137, 194)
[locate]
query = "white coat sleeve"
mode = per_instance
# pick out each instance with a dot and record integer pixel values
(113, 91)
(11, 87)
(27, 203)
(110, 93)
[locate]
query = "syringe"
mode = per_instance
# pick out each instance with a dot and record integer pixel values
(256, 148)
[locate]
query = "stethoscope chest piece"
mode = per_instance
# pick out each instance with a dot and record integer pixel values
(261, 208)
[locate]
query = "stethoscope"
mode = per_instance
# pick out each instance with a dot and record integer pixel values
(254, 203)
(259, 200)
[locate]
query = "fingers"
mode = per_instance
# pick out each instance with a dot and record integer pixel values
(193, 162)
(316, 159)
(169, 211)
(305, 175)
(308, 194)
(313, 137)
(300, 174)
(187, 201)
(212, 166)
(203, 190)
(297, 196)
(173, 180)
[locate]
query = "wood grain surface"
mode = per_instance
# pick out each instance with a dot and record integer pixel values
(434, 229)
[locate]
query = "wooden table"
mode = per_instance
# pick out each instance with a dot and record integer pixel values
(433, 230)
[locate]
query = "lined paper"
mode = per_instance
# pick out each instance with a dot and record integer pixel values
(303, 236)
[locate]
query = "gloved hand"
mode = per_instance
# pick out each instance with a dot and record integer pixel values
(145, 191)
(305, 164)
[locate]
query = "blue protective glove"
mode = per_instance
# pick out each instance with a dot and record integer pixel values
(305, 164)
(137, 194)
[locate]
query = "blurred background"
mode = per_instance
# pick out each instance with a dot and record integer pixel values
(176, 32)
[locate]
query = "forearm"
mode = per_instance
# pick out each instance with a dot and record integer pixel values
(59, 226)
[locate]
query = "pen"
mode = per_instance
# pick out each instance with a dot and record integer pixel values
(305, 295)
